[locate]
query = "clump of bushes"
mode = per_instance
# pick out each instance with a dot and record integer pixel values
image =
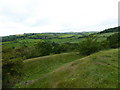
(114, 40)
(89, 45)
(12, 65)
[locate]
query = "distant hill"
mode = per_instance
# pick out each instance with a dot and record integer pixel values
(57, 36)
(115, 29)
(45, 36)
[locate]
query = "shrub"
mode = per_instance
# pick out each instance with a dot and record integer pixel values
(12, 72)
(56, 48)
(105, 44)
(11, 67)
(89, 45)
(43, 48)
(114, 40)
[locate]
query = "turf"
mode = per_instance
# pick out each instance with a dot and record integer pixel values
(99, 70)
(39, 67)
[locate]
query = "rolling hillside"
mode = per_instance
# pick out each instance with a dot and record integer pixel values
(60, 38)
(38, 67)
(73, 37)
(51, 60)
(69, 70)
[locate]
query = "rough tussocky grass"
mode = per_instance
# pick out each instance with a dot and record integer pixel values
(39, 67)
(99, 70)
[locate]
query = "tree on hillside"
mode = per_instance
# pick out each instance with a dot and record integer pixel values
(56, 48)
(104, 44)
(89, 45)
(43, 48)
(11, 67)
(68, 47)
(114, 40)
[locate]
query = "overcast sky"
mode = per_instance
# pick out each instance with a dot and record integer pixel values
(36, 16)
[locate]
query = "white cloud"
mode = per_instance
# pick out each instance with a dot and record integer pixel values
(24, 16)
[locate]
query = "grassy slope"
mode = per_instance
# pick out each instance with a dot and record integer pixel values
(99, 70)
(39, 67)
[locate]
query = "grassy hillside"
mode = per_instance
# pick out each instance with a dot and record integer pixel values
(39, 67)
(73, 37)
(68, 70)
(60, 70)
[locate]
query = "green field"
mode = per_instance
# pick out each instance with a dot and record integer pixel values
(61, 60)
(69, 70)
(58, 38)
(20, 42)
